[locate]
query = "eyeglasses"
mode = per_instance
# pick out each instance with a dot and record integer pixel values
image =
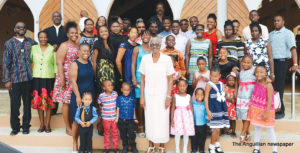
(154, 45)
(199, 30)
(141, 27)
(20, 27)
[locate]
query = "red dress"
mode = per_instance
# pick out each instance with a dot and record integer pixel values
(213, 38)
(230, 106)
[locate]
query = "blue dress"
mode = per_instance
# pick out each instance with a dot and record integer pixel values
(138, 73)
(127, 76)
(217, 106)
(85, 82)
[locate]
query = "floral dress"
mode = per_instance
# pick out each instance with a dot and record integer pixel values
(60, 94)
(230, 106)
(258, 52)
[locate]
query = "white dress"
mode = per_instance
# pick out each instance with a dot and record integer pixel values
(156, 85)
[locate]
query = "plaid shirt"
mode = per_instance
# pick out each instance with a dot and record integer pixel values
(16, 60)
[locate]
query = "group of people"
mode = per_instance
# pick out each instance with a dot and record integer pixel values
(157, 74)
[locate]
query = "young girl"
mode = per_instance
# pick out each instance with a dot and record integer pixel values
(216, 108)
(261, 110)
(182, 122)
(200, 77)
(246, 86)
(200, 116)
(226, 66)
(230, 102)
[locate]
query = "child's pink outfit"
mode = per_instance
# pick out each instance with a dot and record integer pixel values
(200, 83)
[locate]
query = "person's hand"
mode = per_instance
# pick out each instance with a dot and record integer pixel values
(136, 121)
(235, 70)
(209, 115)
(167, 102)
(205, 79)
(199, 77)
(134, 83)
(294, 68)
(116, 120)
(172, 123)
(265, 115)
(179, 75)
(88, 124)
(78, 101)
(63, 83)
(8, 85)
(272, 78)
(82, 124)
(142, 102)
(55, 47)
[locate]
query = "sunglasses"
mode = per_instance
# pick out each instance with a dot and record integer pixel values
(154, 45)
(20, 27)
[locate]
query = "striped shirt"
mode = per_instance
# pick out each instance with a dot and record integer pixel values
(17, 65)
(108, 105)
(235, 48)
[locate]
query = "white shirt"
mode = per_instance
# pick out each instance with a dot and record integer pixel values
(57, 29)
(20, 39)
(190, 34)
(81, 23)
(180, 40)
(247, 32)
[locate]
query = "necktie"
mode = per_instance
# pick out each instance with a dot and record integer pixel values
(82, 115)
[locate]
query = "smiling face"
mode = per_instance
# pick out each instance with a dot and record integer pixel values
(175, 28)
(141, 26)
(182, 86)
(199, 31)
(199, 95)
(170, 41)
(184, 25)
(211, 23)
(260, 73)
(193, 22)
(146, 37)
(84, 52)
(167, 25)
(230, 81)
(236, 26)
(201, 65)
(223, 54)
(103, 32)
(155, 46)
(247, 63)
(72, 34)
(101, 21)
(133, 34)
(20, 29)
(89, 26)
(125, 89)
(153, 28)
(87, 99)
(43, 38)
(108, 86)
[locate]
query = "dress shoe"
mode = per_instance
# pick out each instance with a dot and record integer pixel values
(25, 131)
(14, 132)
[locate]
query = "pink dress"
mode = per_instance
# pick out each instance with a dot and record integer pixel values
(201, 83)
(60, 94)
(183, 117)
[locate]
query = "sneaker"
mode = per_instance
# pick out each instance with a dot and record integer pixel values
(211, 150)
(256, 151)
(219, 150)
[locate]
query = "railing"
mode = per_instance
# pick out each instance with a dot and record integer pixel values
(293, 96)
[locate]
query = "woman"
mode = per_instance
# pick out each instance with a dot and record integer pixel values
(82, 79)
(213, 34)
(153, 28)
(101, 21)
(103, 59)
(260, 49)
(233, 44)
(66, 54)
(43, 59)
(156, 85)
(125, 51)
(197, 47)
(137, 55)
(87, 36)
(140, 25)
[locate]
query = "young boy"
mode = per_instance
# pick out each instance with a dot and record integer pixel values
(107, 101)
(126, 118)
(86, 116)
(171, 51)
(167, 27)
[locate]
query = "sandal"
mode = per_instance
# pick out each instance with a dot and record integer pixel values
(48, 130)
(247, 138)
(40, 130)
(233, 135)
(242, 138)
(150, 150)
(161, 150)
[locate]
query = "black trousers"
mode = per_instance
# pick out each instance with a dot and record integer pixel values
(198, 140)
(280, 70)
(86, 135)
(127, 131)
(18, 91)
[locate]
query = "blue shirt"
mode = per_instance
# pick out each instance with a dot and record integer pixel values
(78, 114)
(199, 113)
(165, 33)
(282, 42)
(126, 105)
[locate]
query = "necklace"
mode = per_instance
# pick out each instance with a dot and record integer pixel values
(128, 100)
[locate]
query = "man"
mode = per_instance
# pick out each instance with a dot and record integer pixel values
(180, 40)
(191, 33)
(83, 16)
(184, 26)
(56, 36)
(126, 26)
(254, 17)
(167, 27)
(160, 15)
(17, 76)
(236, 25)
(283, 48)
(56, 33)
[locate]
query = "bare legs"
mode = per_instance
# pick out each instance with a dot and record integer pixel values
(43, 126)
(75, 130)
(41, 117)
(161, 148)
(66, 116)
(48, 118)
(245, 130)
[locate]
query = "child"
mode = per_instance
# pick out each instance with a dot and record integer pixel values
(182, 122)
(261, 110)
(246, 85)
(107, 101)
(200, 121)
(216, 108)
(225, 65)
(230, 102)
(201, 77)
(86, 116)
(126, 118)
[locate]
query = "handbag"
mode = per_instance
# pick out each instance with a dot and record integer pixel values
(277, 102)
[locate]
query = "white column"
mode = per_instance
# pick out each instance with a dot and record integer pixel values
(176, 7)
(62, 11)
(35, 8)
(2, 2)
(221, 14)
(103, 7)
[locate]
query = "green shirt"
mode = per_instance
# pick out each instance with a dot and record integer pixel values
(43, 63)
